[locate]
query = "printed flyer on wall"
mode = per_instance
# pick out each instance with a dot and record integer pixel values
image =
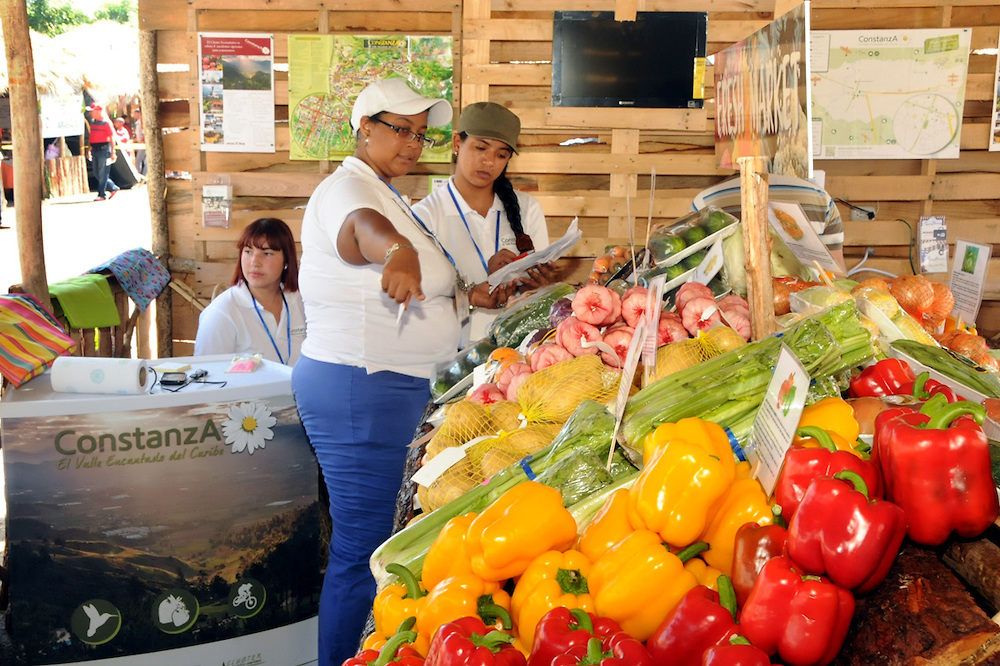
(236, 92)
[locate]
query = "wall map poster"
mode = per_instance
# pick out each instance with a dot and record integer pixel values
(191, 529)
(889, 94)
(236, 83)
(326, 73)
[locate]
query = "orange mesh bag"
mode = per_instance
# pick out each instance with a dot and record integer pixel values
(944, 301)
(914, 294)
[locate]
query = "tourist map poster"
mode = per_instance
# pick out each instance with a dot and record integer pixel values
(236, 85)
(888, 94)
(326, 73)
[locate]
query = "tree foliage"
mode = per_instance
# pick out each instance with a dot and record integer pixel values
(54, 17)
(123, 11)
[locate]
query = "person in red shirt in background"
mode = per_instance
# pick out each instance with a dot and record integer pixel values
(100, 147)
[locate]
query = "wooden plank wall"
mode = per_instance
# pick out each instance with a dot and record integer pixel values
(502, 54)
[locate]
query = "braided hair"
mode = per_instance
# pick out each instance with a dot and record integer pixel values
(504, 189)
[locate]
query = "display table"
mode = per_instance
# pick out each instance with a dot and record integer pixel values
(183, 521)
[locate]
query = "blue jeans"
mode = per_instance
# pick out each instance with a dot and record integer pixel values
(101, 153)
(359, 425)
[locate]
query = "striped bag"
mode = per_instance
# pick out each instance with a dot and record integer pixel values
(30, 338)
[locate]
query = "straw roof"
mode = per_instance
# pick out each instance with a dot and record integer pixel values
(56, 72)
(108, 54)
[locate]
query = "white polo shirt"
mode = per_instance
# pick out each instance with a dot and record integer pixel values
(230, 325)
(350, 320)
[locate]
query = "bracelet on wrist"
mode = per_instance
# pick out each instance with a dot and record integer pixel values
(394, 247)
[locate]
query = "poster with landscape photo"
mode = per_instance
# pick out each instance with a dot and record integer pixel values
(135, 532)
(237, 92)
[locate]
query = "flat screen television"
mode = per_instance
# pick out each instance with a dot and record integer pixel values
(656, 61)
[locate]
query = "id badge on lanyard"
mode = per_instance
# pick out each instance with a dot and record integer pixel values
(462, 306)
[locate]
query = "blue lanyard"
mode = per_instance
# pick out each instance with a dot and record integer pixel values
(423, 226)
(288, 326)
(496, 241)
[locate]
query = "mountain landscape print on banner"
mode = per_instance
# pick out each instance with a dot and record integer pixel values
(169, 510)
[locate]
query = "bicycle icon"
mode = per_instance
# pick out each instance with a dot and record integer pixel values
(245, 597)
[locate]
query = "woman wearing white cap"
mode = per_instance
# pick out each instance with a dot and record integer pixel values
(478, 216)
(379, 296)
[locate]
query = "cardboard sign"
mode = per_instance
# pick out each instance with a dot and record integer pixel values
(968, 275)
(777, 419)
(790, 223)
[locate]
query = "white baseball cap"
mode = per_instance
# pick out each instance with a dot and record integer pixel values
(396, 96)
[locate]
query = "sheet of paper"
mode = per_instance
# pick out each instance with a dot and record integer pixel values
(776, 421)
(968, 276)
(519, 269)
(792, 226)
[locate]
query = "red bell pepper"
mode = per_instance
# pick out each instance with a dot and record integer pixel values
(562, 628)
(803, 619)
(936, 464)
(738, 652)
(802, 465)
(923, 387)
(396, 650)
(702, 619)
(885, 377)
(467, 641)
(754, 545)
(618, 649)
(839, 532)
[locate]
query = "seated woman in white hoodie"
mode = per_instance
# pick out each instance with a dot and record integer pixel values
(262, 311)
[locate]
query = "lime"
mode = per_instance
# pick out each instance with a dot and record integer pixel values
(694, 260)
(480, 351)
(665, 246)
(693, 235)
(717, 221)
(675, 271)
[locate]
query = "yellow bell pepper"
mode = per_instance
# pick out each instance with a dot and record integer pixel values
(710, 436)
(397, 602)
(608, 527)
(447, 556)
(803, 439)
(833, 414)
(524, 522)
(677, 489)
(638, 582)
(461, 596)
(552, 579)
(706, 575)
(744, 502)
(376, 641)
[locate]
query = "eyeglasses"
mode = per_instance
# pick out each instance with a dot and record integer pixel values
(408, 135)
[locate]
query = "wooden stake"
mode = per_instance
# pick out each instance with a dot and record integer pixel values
(757, 245)
(27, 140)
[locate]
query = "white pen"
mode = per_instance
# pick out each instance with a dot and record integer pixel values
(399, 316)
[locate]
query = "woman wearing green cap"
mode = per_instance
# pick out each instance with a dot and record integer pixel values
(478, 216)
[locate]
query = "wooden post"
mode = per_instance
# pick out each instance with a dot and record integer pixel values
(757, 245)
(27, 140)
(156, 185)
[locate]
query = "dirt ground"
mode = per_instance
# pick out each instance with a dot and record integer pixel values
(79, 233)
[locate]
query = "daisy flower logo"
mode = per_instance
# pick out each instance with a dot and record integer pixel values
(248, 426)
